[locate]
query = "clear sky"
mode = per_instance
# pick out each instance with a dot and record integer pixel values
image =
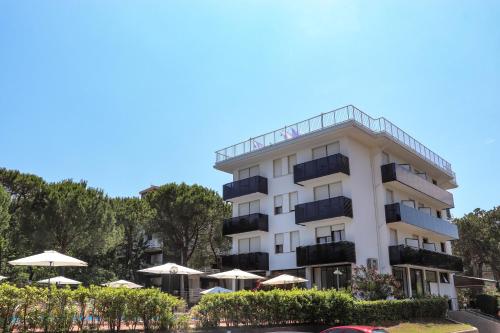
(125, 94)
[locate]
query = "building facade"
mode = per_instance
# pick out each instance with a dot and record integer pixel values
(337, 191)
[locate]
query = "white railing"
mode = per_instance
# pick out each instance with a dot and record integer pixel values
(333, 118)
(154, 243)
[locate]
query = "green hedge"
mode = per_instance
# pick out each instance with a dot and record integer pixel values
(94, 308)
(310, 307)
(488, 304)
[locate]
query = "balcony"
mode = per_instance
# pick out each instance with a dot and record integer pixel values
(397, 214)
(323, 209)
(320, 169)
(245, 189)
(403, 179)
(407, 255)
(246, 223)
(254, 261)
(328, 253)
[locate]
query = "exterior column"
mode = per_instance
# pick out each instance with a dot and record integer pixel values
(309, 277)
(408, 279)
(424, 279)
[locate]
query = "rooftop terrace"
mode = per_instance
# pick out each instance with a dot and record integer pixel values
(331, 119)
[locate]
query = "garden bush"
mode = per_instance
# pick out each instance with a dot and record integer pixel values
(96, 308)
(310, 307)
(488, 304)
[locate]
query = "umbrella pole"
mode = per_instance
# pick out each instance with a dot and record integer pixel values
(48, 302)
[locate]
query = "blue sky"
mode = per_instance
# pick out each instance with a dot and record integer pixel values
(125, 94)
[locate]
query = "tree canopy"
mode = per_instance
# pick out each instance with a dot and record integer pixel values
(479, 241)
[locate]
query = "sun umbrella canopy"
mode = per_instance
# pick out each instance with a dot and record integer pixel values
(59, 280)
(48, 258)
(170, 268)
(122, 284)
(284, 279)
(216, 290)
(236, 274)
(2, 277)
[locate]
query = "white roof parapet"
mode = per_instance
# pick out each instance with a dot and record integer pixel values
(330, 119)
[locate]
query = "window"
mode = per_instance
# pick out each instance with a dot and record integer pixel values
(328, 234)
(385, 158)
(294, 240)
(409, 203)
(323, 235)
(278, 167)
(338, 233)
(389, 197)
(328, 191)
(426, 210)
(438, 214)
(444, 278)
(434, 182)
(443, 247)
(278, 243)
(417, 282)
(248, 172)
(323, 151)
(293, 199)
(278, 204)
(246, 245)
(247, 208)
(292, 161)
(431, 276)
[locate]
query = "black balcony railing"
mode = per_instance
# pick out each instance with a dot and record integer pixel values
(323, 209)
(407, 255)
(394, 172)
(397, 212)
(328, 253)
(321, 167)
(255, 184)
(246, 223)
(254, 261)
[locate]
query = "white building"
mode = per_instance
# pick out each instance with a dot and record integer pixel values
(338, 190)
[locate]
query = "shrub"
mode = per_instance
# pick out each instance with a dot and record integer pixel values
(370, 285)
(488, 304)
(59, 310)
(310, 307)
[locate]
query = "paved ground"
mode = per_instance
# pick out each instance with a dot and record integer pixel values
(483, 324)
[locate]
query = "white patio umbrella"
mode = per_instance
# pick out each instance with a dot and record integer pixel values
(216, 290)
(2, 277)
(49, 259)
(59, 280)
(170, 268)
(283, 279)
(122, 284)
(236, 274)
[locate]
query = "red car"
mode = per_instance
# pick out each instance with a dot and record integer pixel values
(355, 329)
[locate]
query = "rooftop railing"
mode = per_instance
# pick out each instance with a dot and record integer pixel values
(330, 119)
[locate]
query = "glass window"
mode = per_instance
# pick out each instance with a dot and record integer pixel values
(243, 174)
(319, 152)
(278, 204)
(335, 189)
(444, 278)
(255, 244)
(255, 207)
(278, 167)
(417, 282)
(323, 234)
(293, 200)
(400, 276)
(333, 148)
(244, 209)
(278, 243)
(321, 192)
(294, 240)
(254, 171)
(244, 245)
(443, 247)
(409, 203)
(292, 161)
(393, 237)
(431, 276)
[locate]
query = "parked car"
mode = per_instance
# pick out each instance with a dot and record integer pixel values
(355, 329)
